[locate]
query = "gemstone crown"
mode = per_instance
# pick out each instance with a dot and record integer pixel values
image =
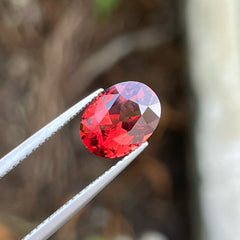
(120, 119)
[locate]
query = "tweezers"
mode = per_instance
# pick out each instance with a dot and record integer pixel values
(50, 225)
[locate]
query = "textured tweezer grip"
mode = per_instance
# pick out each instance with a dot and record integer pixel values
(63, 214)
(13, 158)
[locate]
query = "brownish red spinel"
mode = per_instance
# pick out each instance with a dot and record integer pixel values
(120, 119)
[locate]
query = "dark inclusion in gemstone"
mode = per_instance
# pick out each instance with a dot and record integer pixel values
(120, 119)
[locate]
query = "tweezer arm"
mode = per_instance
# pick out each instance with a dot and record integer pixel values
(13, 158)
(63, 214)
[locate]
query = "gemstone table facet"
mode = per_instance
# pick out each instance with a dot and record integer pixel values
(120, 119)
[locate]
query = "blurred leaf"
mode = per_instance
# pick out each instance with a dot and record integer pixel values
(104, 8)
(17, 225)
(6, 233)
(95, 238)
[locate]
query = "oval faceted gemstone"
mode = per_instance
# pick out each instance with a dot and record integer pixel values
(120, 119)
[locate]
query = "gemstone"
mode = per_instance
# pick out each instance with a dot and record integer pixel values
(120, 119)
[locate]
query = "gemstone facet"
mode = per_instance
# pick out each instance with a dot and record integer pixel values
(120, 119)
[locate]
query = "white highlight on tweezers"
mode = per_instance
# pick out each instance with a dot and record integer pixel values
(13, 158)
(63, 214)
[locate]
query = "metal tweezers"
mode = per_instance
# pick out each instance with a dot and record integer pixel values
(49, 226)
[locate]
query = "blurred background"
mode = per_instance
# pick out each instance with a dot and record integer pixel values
(55, 52)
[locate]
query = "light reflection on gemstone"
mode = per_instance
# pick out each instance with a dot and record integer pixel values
(120, 119)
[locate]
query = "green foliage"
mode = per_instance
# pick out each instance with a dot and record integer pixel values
(104, 8)
(95, 238)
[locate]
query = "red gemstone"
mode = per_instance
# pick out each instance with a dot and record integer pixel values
(120, 119)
